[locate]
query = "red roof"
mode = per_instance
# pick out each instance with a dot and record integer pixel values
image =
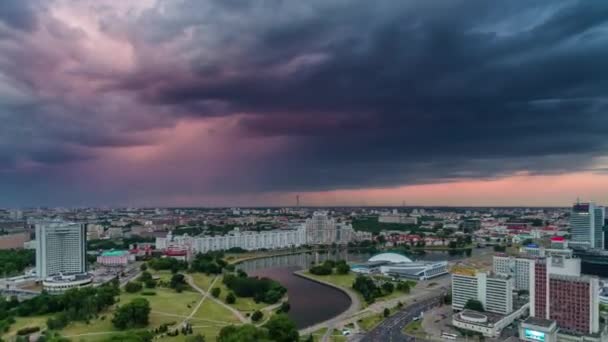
(558, 239)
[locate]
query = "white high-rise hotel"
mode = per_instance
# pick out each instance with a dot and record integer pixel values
(586, 223)
(60, 248)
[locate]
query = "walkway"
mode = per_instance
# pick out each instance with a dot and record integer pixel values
(205, 294)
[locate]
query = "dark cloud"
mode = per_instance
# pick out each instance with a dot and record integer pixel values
(359, 93)
(405, 93)
(19, 14)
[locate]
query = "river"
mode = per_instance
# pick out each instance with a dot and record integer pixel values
(312, 303)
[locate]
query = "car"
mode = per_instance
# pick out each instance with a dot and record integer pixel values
(345, 332)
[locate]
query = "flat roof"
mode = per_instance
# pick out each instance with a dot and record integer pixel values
(114, 253)
(541, 322)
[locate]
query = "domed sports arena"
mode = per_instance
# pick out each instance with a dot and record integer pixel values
(397, 265)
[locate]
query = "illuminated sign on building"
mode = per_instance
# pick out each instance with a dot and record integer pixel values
(534, 335)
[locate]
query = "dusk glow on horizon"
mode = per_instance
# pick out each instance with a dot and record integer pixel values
(232, 103)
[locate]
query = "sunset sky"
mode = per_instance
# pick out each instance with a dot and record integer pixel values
(344, 102)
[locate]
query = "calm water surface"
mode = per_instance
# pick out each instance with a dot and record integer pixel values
(311, 302)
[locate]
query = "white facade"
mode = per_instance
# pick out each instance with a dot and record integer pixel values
(397, 218)
(60, 248)
(518, 268)
(324, 230)
(246, 240)
(495, 292)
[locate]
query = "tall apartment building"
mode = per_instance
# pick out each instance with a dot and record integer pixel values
(324, 230)
(559, 292)
(495, 292)
(248, 240)
(518, 268)
(60, 248)
(586, 225)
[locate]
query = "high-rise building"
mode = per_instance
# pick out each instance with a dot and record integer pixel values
(495, 292)
(324, 230)
(586, 225)
(559, 292)
(60, 248)
(518, 268)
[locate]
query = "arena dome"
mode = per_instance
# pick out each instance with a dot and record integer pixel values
(390, 257)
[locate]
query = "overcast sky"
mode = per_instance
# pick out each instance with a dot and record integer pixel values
(232, 102)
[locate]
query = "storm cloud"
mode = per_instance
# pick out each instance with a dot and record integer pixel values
(332, 94)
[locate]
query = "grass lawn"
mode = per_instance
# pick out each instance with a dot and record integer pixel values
(245, 305)
(369, 322)
(204, 281)
(166, 306)
(211, 310)
(23, 322)
(414, 329)
(343, 280)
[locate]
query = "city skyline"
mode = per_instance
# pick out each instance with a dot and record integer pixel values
(217, 103)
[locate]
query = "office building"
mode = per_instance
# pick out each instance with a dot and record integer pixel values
(60, 248)
(559, 292)
(518, 268)
(586, 226)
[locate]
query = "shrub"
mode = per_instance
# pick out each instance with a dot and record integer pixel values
(230, 298)
(133, 286)
(148, 293)
(215, 292)
(257, 316)
(27, 330)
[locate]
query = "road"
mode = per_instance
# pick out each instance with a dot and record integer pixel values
(391, 328)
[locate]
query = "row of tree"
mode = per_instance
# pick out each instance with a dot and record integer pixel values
(260, 289)
(279, 328)
(327, 268)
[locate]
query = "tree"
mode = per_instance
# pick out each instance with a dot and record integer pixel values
(282, 329)
(230, 298)
(322, 269)
(257, 316)
(474, 304)
(284, 308)
(403, 286)
(243, 333)
(388, 287)
(178, 282)
(342, 268)
(143, 267)
(132, 315)
(386, 312)
(133, 286)
(215, 292)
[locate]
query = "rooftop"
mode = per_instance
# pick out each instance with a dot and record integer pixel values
(540, 322)
(114, 253)
(390, 257)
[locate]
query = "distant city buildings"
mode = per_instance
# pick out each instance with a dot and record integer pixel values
(396, 217)
(60, 248)
(586, 225)
(115, 258)
(14, 241)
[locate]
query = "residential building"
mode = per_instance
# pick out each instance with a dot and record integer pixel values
(586, 225)
(60, 248)
(324, 230)
(248, 240)
(397, 218)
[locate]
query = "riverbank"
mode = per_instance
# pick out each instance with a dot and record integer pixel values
(355, 304)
